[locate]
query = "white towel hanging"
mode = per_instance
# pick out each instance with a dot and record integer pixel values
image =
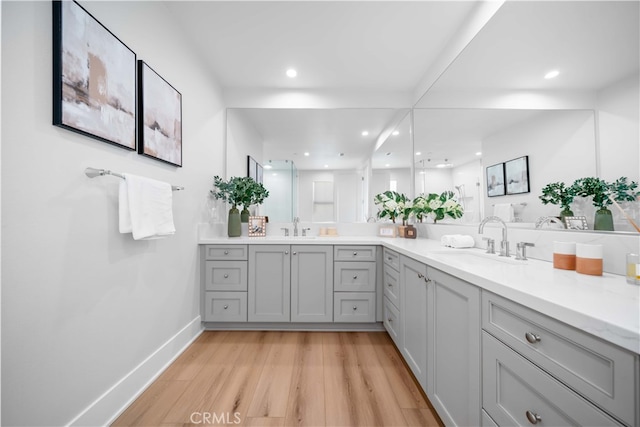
(145, 208)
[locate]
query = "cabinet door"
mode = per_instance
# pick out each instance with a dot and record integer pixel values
(413, 309)
(269, 283)
(311, 283)
(453, 343)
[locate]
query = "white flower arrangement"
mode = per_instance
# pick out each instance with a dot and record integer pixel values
(392, 205)
(437, 206)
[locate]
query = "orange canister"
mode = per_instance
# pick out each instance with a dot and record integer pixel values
(564, 255)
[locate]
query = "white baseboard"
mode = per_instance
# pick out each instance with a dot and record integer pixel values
(105, 409)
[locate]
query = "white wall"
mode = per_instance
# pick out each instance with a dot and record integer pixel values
(560, 146)
(619, 144)
(82, 305)
(242, 140)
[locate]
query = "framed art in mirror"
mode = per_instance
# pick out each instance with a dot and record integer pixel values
(517, 175)
(94, 78)
(160, 117)
(257, 226)
(495, 180)
(252, 168)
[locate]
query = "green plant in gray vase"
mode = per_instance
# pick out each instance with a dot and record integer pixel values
(238, 191)
(597, 189)
(557, 193)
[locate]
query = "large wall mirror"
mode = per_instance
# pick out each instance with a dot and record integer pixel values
(321, 165)
(494, 104)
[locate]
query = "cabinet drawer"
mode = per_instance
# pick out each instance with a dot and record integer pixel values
(354, 307)
(391, 284)
(225, 307)
(603, 373)
(354, 253)
(514, 389)
(226, 276)
(354, 276)
(391, 258)
(225, 252)
(391, 321)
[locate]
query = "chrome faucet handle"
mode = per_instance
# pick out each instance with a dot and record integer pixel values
(521, 250)
(304, 231)
(491, 245)
(286, 231)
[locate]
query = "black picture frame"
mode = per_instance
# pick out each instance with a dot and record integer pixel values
(159, 117)
(252, 168)
(259, 174)
(94, 78)
(495, 180)
(516, 174)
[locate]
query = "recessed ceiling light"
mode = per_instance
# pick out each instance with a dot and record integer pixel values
(395, 133)
(326, 166)
(306, 153)
(479, 153)
(552, 74)
(291, 73)
(267, 166)
(418, 153)
(387, 165)
(365, 133)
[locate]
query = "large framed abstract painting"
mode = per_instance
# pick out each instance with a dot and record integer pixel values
(94, 78)
(160, 117)
(517, 175)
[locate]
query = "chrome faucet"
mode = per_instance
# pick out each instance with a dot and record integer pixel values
(504, 244)
(296, 220)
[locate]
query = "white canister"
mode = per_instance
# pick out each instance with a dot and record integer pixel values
(564, 255)
(589, 259)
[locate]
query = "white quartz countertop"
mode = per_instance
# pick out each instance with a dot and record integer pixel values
(605, 306)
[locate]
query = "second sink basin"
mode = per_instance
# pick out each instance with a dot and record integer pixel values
(476, 256)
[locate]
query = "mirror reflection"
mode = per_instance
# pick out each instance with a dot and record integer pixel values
(526, 85)
(318, 164)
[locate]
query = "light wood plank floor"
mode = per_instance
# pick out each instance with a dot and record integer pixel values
(273, 378)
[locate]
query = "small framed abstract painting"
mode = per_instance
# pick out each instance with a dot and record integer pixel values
(257, 226)
(495, 180)
(517, 175)
(94, 78)
(160, 117)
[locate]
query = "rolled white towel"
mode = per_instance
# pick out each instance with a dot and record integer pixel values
(462, 241)
(446, 240)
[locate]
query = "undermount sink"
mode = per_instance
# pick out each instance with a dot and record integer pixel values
(475, 257)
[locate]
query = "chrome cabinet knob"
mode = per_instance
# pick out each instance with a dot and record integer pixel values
(286, 252)
(355, 308)
(420, 276)
(226, 276)
(532, 338)
(226, 306)
(226, 252)
(355, 254)
(389, 319)
(355, 277)
(390, 285)
(533, 417)
(295, 253)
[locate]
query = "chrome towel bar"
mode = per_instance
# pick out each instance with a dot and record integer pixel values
(93, 172)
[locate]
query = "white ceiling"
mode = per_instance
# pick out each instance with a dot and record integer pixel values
(390, 46)
(381, 45)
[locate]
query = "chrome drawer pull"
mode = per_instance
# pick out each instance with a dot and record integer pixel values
(533, 418)
(355, 277)
(355, 253)
(420, 276)
(389, 258)
(226, 306)
(226, 276)
(226, 252)
(532, 338)
(426, 280)
(355, 308)
(389, 319)
(390, 285)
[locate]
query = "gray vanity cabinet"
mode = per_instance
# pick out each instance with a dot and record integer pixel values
(269, 294)
(453, 349)
(391, 290)
(413, 309)
(311, 283)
